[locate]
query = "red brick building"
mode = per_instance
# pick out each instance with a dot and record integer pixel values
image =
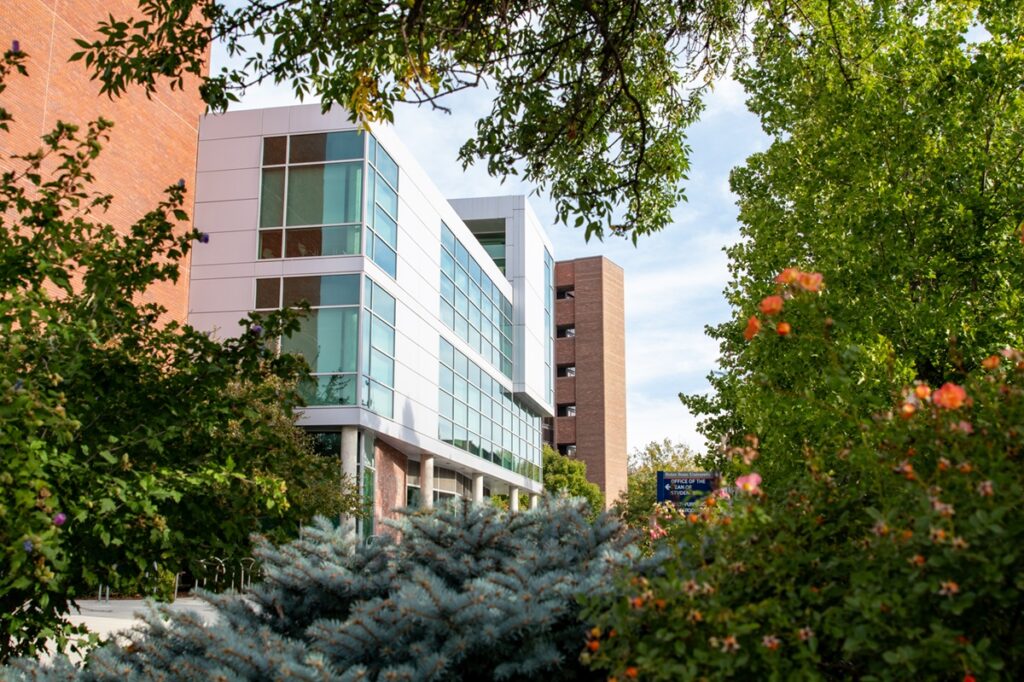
(153, 142)
(590, 368)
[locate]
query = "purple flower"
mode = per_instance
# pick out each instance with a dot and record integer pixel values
(60, 518)
(256, 329)
(204, 237)
(15, 47)
(28, 546)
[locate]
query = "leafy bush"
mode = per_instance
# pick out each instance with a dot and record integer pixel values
(469, 592)
(896, 555)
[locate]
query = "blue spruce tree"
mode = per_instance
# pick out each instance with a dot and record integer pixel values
(468, 593)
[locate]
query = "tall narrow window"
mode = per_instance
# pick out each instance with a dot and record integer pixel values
(382, 209)
(378, 349)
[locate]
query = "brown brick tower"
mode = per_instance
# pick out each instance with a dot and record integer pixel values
(153, 142)
(590, 362)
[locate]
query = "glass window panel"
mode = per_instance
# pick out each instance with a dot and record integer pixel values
(268, 293)
(272, 197)
(448, 314)
(461, 412)
(324, 194)
(447, 353)
(447, 288)
(387, 166)
(270, 243)
(382, 336)
(461, 255)
(461, 303)
(335, 146)
(386, 258)
(327, 339)
(444, 430)
(474, 317)
(461, 365)
(381, 399)
(461, 388)
(340, 241)
(474, 338)
(386, 197)
(371, 152)
(474, 397)
(474, 374)
(382, 367)
(447, 264)
(474, 293)
(274, 150)
(447, 380)
(302, 243)
(461, 326)
(383, 304)
(298, 289)
(447, 238)
(331, 389)
(460, 437)
(339, 290)
(461, 280)
(474, 271)
(386, 228)
(445, 404)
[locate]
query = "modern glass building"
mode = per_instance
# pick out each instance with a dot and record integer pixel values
(430, 337)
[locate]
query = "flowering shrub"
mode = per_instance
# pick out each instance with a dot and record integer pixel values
(896, 555)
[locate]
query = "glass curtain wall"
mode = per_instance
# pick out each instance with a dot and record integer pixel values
(311, 195)
(382, 209)
(378, 349)
(328, 337)
(480, 416)
(472, 305)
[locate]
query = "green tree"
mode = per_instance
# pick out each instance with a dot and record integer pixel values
(635, 505)
(591, 99)
(131, 444)
(895, 172)
(567, 476)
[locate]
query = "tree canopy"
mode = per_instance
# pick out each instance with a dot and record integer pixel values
(591, 99)
(567, 476)
(895, 173)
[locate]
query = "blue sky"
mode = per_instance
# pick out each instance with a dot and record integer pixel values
(674, 280)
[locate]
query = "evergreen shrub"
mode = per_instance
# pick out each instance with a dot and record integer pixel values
(467, 593)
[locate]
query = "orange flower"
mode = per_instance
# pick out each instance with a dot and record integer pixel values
(593, 645)
(922, 391)
(753, 327)
(632, 672)
(991, 362)
(907, 410)
(948, 588)
(696, 616)
(943, 464)
(783, 328)
(771, 305)
(660, 604)
(811, 281)
(950, 396)
(787, 276)
(917, 560)
(637, 602)
(771, 642)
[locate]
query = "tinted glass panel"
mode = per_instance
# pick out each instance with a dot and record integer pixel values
(386, 228)
(382, 368)
(383, 304)
(339, 389)
(322, 241)
(328, 290)
(274, 149)
(272, 197)
(385, 257)
(387, 167)
(386, 197)
(327, 339)
(268, 293)
(324, 194)
(270, 243)
(327, 147)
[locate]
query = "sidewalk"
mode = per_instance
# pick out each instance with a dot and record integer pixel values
(106, 618)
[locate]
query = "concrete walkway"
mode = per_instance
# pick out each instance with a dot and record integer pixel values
(106, 618)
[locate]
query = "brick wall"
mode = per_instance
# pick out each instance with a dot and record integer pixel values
(391, 484)
(599, 355)
(153, 142)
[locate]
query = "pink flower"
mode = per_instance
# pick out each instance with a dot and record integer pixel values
(657, 531)
(985, 489)
(722, 494)
(950, 396)
(750, 483)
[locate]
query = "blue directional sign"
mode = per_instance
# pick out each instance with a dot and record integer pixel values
(686, 489)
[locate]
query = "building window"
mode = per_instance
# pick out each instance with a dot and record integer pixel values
(311, 195)
(378, 350)
(448, 484)
(382, 209)
(566, 332)
(479, 415)
(472, 305)
(567, 411)
(569, 371)
(328, 337)
(565, 293)
(368, 482)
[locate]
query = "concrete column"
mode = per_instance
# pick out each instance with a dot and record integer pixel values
(426, 481)
(478, 488)
(350, 464)
(534, 500)
(513, 499)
